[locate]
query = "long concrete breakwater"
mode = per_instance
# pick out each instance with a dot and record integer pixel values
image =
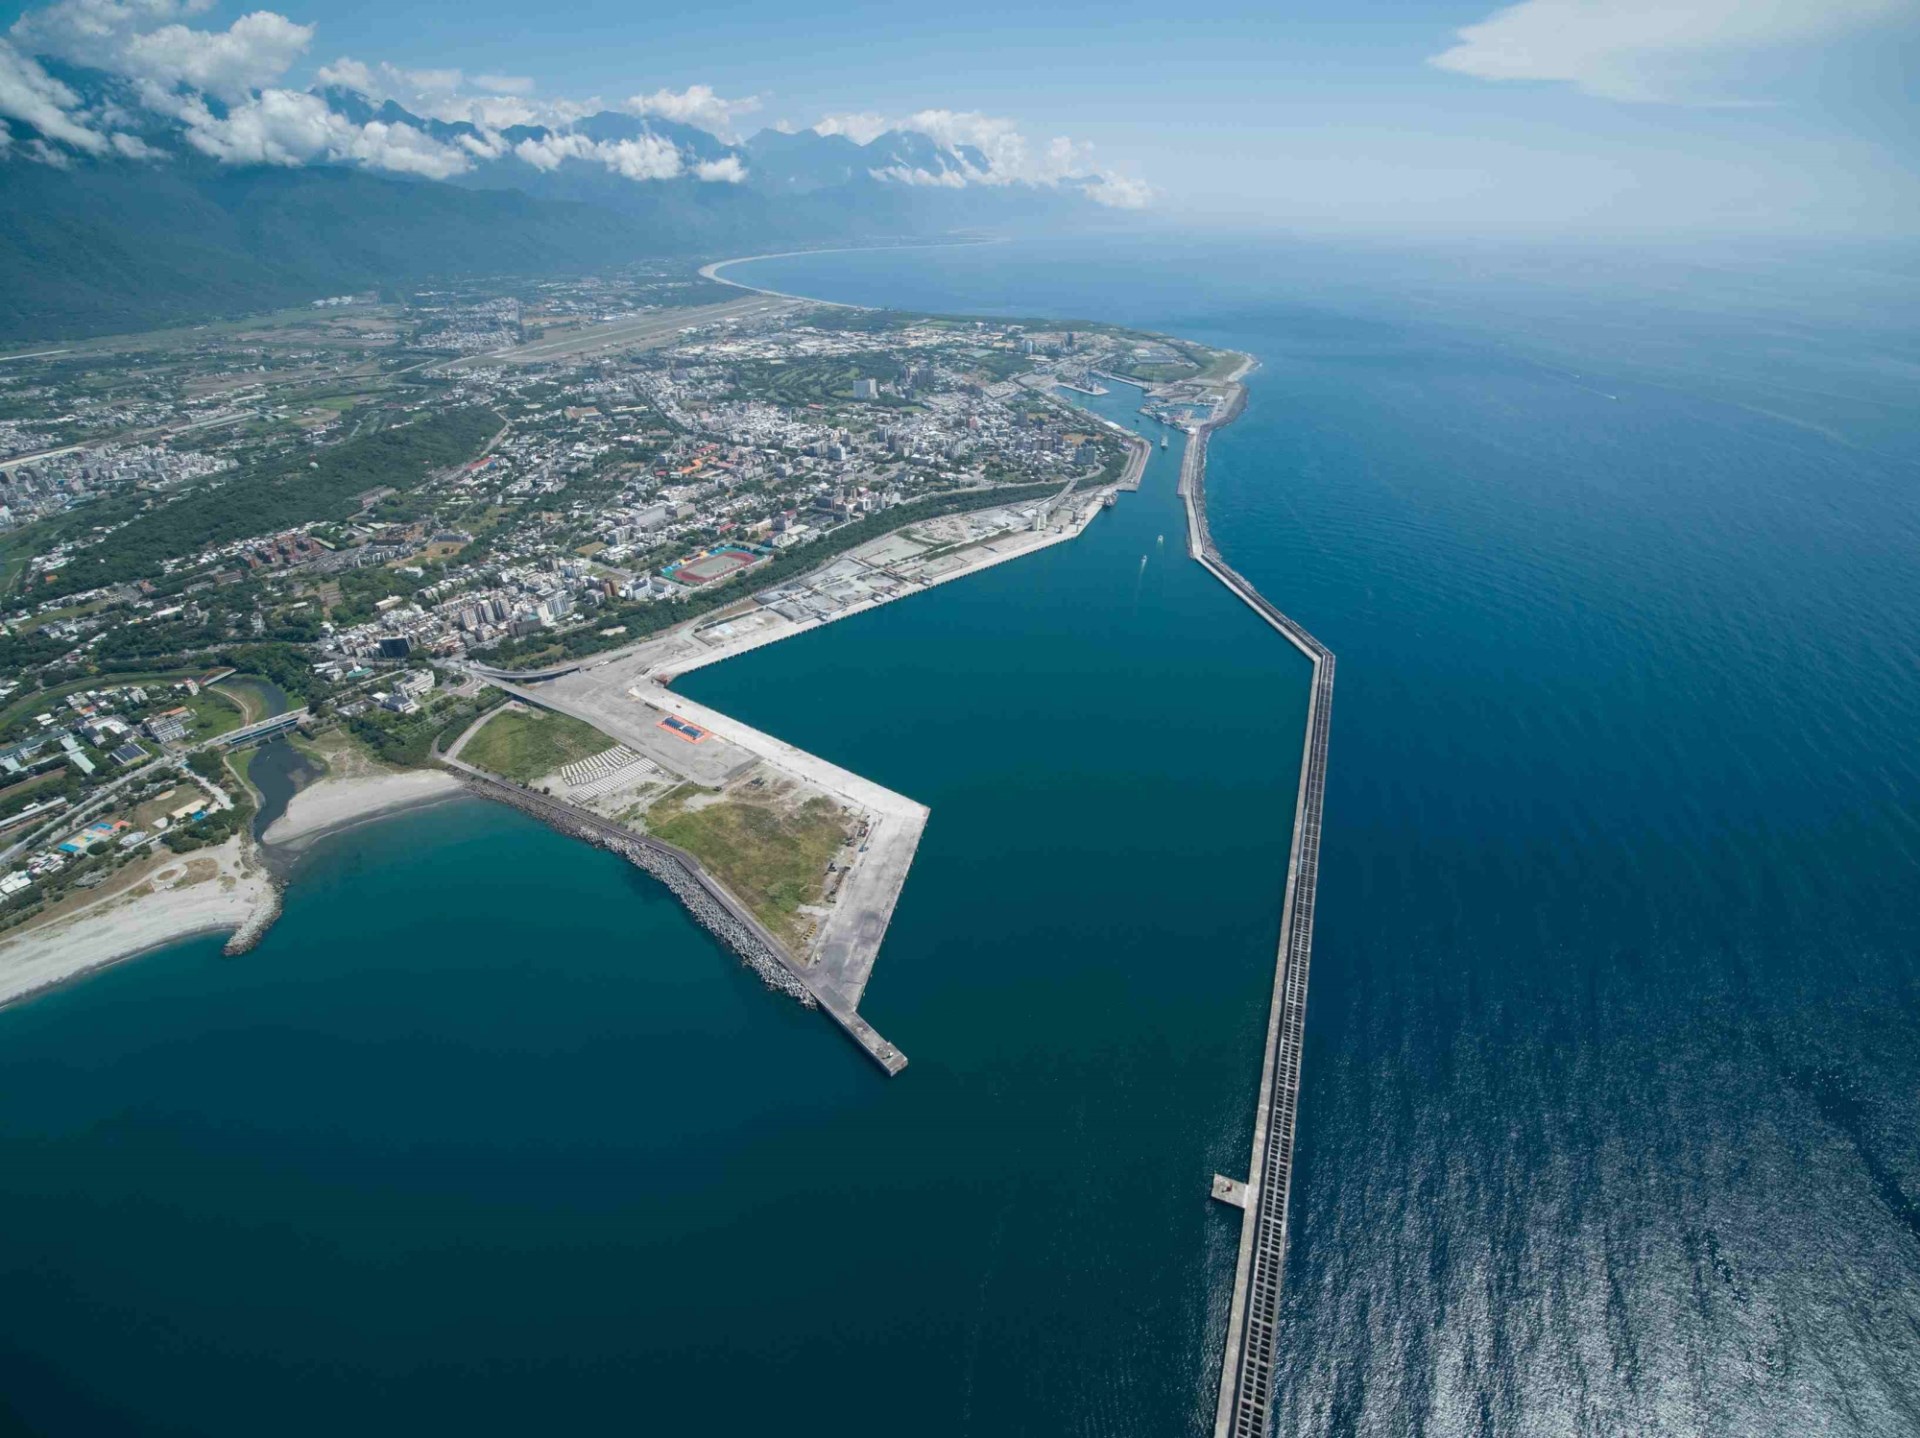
(1247, 1364)
(704, 897)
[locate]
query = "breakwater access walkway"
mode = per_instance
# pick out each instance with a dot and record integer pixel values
(1246, 1373)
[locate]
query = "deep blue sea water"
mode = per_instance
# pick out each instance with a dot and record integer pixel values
(1608, 1122)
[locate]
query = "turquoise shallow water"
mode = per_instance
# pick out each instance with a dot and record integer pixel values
(1608, 1119)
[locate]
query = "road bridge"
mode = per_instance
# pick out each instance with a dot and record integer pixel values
(524, 676)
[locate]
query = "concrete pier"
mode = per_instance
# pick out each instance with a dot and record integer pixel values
(1246, 1374)
(1229, 1190)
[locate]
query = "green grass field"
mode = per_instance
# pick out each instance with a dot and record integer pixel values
(523, 745)
(774, 861)
(213, 713)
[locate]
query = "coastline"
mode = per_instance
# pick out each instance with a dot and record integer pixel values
(336, 803)
(330, 805)
(711, 270)
(224, 889)
(179, 899)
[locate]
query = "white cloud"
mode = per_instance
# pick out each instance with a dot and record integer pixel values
(255, 50)
(121, 36)
(1117, 192)
(291, 127)
(647, 158)
(84, 30)
(505, 84)
(405, 151)
(725, 171)
(351, 74)
(862, 127)
(1647, 50)
(277, 127)
(1004, 155)
(696, 105)
(428, 82)
(29, 94)
(550, 151)
(435, 94)
(970, 127)
(487, 145)
(904, 175)
(226, 88)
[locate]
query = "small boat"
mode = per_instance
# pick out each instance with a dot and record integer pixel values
(1163, 441)
(1109, 501)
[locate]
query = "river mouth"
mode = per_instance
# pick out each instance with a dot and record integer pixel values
(278, 770)
(275, 770)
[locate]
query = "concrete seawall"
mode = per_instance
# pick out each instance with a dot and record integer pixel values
(1246, 1374)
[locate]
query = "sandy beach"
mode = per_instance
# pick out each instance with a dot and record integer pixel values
(212, 890)
(225, 889)
(337, 803)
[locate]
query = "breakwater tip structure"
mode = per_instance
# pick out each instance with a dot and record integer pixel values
(1253, 1317)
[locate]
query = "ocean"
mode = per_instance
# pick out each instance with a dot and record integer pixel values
(1608, 1118)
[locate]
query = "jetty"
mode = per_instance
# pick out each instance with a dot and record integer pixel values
(1246, 1373)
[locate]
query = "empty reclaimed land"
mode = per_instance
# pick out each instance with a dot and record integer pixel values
(1246, 1374)
(700, 756)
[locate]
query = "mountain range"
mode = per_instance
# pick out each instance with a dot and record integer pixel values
(160, 230)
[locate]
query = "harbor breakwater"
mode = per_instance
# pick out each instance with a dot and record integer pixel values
(1247, 1367)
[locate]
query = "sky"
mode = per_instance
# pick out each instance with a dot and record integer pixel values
(1759, 116)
